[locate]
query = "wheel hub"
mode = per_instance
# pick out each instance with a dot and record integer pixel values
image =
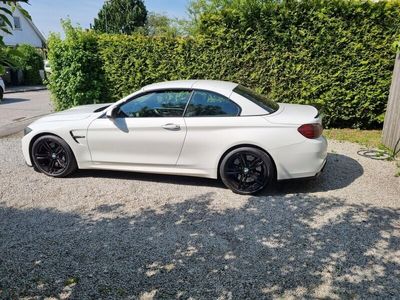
(53, 156)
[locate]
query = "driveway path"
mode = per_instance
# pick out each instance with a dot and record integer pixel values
(120, 235)
(17, 110)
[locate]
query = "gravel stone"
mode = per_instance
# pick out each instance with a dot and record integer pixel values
(102, 234)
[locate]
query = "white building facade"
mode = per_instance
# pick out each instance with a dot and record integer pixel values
(23, 31)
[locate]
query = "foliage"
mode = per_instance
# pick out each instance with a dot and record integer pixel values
(9, 57)
(5, 26)
(121, 16)
(76, 76)
(158, 24)
(336, 55)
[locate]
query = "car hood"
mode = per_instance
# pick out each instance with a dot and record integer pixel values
(75, 113)
(294, 114)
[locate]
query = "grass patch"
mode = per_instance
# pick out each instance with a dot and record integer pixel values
(368, 138)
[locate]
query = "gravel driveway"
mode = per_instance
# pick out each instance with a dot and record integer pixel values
(124, 235)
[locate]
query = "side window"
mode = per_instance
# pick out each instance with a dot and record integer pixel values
(155, 104)
(204, 104)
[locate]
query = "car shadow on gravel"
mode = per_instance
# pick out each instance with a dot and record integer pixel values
(340, 171)
(275, 246)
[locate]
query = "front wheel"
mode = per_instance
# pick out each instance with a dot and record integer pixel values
(52, 156)
(246, 170)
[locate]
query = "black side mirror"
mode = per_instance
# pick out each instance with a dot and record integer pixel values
(112, 113)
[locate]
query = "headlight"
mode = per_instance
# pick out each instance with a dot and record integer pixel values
(27, 130)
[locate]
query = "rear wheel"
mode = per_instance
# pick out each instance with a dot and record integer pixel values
(52, 156)
(246, 170)
(1, 94)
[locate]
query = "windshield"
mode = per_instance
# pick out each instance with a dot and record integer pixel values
(262, 101)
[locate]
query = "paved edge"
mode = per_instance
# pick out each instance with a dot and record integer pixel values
(27, 89)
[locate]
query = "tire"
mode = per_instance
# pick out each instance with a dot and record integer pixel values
(52, 156)
(246, 170)
(1, 94)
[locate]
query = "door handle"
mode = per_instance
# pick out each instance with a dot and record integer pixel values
(171, 126)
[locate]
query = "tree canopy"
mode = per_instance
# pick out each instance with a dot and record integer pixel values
(121, 16)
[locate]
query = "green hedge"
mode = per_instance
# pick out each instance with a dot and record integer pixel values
(337, 55)
(76, 76)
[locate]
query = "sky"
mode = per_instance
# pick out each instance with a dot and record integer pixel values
(46, 14)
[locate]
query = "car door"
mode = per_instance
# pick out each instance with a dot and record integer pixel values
(147, 130)
(212, 123)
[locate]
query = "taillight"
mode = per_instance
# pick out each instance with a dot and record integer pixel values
(311, 131)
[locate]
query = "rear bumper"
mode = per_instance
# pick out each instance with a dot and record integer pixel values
(306, 159)
(320, 171)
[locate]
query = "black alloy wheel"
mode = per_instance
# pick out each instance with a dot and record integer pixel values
(52, 156)
(246, 170)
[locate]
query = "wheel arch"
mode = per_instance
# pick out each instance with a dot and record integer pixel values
(246, 145)
(32, 141)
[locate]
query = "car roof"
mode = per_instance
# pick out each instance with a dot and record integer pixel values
(222, 87)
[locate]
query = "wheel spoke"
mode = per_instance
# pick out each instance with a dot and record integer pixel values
(47, 146)
(257, 162)
(51, 166)
(240, 183)
(42, 156)
(243, 159)
(61, 163)
(58, 150)
(258, 181)
(233, 171)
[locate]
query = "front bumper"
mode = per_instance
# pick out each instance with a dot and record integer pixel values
(25, 149)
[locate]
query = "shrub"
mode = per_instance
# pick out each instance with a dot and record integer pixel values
(30, 61)
(336, 55)
(77, 77)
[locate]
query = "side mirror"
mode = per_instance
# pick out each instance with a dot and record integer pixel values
(112, 113)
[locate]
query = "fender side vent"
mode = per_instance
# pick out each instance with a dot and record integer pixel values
(76, 137)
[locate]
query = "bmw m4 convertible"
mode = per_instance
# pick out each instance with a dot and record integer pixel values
(204, 128)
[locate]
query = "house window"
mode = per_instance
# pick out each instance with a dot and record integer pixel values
(17, 23)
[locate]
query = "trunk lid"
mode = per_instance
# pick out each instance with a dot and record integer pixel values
(295, 114)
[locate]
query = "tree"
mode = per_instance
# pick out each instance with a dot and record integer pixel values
(121, 16)
(225, 13)
(158, 24)
(5, 26)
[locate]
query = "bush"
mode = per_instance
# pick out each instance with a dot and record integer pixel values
(25, 58)
(337, 55)
(76, 69)
(30, 61)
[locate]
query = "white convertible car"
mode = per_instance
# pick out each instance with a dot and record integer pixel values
(203, 128)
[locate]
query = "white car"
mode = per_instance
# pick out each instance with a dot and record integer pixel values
(204, 128)
(47, 67)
